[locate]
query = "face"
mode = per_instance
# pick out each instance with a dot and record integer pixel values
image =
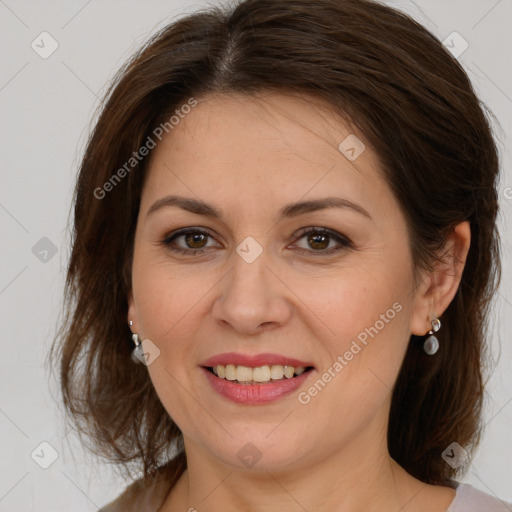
(328, 287)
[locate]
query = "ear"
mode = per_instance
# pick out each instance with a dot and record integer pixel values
(438, 288)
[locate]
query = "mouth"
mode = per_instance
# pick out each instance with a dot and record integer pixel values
(259, 375)
(255, 379)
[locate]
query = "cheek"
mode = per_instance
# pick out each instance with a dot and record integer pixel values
(167, 297)
(167, 309)
(367, 315)
(356, 305)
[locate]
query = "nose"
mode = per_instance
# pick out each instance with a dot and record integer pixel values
(252, 298)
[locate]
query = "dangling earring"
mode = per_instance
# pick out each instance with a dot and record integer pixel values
(431, 345)
(138, 352)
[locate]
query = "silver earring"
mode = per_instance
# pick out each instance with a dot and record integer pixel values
(431, 345)
(138, 352)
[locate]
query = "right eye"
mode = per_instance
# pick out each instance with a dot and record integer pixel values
(194, 239)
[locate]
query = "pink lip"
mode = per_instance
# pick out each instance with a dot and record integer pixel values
(254, 394)
(253, 361)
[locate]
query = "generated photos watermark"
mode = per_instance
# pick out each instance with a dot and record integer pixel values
(304, 397)
(143, 151)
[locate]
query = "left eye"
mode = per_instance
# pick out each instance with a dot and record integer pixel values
(319, 239)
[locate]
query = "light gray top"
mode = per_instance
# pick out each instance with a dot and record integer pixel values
(469, 499)
(143, 496)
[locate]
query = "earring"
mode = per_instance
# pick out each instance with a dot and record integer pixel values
(138, 352)
(431, 345)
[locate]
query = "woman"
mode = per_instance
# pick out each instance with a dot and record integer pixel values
(286, 216)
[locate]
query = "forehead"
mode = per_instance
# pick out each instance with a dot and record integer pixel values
(245, 150)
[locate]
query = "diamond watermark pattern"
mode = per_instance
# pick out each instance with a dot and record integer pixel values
(44, 45)
(44, 455)
(249, 455)
(456, 44)
(455, 455)
(351, 147)
(249, 249)
(149, 353)
(44, 250)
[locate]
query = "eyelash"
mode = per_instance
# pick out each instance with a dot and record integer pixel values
(344, 242)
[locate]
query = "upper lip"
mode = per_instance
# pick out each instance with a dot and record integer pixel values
(253, 361)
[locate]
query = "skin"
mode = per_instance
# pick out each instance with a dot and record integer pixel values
(249, 156)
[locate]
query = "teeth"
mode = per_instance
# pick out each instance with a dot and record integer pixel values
(276, 372)
(230, 371)
(289, 371)
(259, 374)
(243, 374)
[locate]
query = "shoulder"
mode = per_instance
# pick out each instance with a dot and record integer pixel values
(469, 499)
(143, 495)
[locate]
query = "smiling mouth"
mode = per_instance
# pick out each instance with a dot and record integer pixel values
(266, 374)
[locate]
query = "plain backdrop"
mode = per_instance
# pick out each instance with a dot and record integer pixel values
(47, 106)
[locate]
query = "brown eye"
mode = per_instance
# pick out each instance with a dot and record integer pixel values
(318, 241)
(193, 241)
(323, 241)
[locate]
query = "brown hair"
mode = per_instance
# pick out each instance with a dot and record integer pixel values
(415, 105)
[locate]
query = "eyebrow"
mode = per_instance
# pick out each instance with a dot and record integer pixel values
(290, 210)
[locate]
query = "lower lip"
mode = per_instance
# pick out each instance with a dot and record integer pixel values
(254, 394)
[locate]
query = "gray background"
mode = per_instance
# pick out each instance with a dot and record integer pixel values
(47, 107)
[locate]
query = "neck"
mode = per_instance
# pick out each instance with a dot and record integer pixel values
(359, 476)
